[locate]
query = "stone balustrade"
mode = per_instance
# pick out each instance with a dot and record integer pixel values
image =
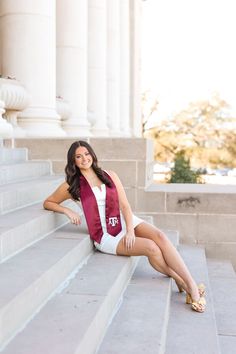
(16, 99)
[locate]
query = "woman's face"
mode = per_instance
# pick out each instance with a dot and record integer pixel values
(83, 159)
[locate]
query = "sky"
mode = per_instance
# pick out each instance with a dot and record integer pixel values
(188, 51)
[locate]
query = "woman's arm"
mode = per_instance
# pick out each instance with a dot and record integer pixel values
(125, 209)
(56, 198)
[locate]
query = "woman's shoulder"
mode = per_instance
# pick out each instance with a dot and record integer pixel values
(64, 185)
(63, 188)
(111, 173)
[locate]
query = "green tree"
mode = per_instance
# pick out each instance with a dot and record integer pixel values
(181, 172)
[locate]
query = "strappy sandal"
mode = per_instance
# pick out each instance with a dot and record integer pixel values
(198, 306)
(201, 289)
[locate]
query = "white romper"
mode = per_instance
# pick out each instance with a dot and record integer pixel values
(108, 242)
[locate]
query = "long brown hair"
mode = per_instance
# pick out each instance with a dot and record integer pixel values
(73, 172)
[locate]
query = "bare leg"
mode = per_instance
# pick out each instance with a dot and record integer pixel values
(150, 249)
(170, 255)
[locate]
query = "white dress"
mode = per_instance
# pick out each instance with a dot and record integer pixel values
(108, 242)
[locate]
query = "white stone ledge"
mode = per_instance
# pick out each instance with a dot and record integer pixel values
(191, 188)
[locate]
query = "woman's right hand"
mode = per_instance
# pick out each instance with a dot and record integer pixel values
(73, 216)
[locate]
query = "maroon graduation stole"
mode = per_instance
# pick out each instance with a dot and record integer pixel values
(91, 211)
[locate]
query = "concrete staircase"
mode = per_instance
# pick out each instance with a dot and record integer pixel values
(50, 275)
(59, 296)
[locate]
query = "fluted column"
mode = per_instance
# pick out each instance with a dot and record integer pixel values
(113, 66)
(28, 54)
(72, 33)
(125, 67)
(97, 72)
(135, 69)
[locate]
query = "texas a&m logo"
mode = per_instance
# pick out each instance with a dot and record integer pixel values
(113, 221)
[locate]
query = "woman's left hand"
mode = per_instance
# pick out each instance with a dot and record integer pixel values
(129, 240)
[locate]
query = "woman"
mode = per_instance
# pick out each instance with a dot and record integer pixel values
(112, 226)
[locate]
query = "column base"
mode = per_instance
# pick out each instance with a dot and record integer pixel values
(73, 127)
(116, 134)
(126, 134)
(100, 132)
(39, 122)
(12, 119)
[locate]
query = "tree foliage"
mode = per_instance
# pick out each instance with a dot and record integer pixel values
(204, 130)
(182, 172)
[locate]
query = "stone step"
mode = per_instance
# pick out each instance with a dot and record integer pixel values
(141, 322)
(74, 321)
(23, 171)
(223, 284)
(23, 227)
(10, 156)
(140, 325)
(31, 277)
(189, 331)
(17, 195)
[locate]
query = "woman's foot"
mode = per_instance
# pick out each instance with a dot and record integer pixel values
(195, 297)
(199, 305)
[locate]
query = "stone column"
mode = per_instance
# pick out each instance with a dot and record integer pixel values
(97, 70)
(135, 69)
(124, 67)
(113, 66)
(28, 54)
(72, 33)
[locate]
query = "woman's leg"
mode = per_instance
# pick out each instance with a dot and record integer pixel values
(146, 247)
(170, 255)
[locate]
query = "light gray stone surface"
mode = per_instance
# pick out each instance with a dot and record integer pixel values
(23, 171)
(29, 278)
(222, 251)
(74, 320)
(190, 332)
(22, 194)
(189, 188)
(186, 224)
(149, 202)
(223, 283)
(220, 269)
(203, 203)
(140, 324)
(228, 344)
(10, 156)
(25, 226)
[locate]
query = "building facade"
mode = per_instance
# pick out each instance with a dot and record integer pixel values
(70, 68)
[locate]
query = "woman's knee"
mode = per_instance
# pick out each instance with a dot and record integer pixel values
(162, 238)
(151, 248)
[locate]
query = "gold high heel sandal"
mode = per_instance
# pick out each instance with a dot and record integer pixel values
(201, 289)
(198, 306)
